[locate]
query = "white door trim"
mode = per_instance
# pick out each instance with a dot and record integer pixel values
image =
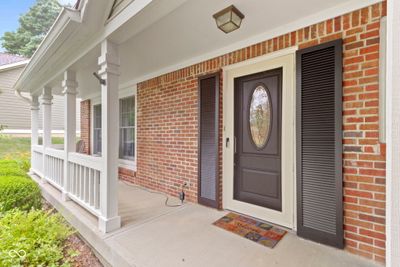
(286, 60)
(392, 135)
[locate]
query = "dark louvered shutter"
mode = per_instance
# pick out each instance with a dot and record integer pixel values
(208, 140)
(319, 143)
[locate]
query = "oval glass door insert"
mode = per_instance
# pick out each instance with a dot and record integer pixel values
(260, 116)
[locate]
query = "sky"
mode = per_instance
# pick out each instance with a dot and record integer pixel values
(10, 11)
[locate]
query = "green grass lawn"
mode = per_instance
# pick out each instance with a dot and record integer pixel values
(17, 147)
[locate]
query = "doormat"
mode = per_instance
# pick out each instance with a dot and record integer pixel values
(254, 230)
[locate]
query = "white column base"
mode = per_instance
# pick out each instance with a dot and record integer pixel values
(109, 225)
(65, 197)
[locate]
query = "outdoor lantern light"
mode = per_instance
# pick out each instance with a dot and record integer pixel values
(229, 19)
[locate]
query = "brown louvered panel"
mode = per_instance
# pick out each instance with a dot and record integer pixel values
(319, 145)
(208, 140)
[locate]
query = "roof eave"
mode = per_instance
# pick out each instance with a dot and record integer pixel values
(67, 17)
(14, 65)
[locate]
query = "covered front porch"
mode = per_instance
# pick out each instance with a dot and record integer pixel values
(148, 55)
(153, 234)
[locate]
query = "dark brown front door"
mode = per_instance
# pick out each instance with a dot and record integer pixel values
(258, 139)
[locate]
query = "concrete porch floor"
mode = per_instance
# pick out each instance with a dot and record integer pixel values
(155, 235)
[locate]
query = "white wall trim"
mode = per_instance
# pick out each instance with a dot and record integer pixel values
(393, 135)
(286, 60)
(270, 56)
(122, 93)
(296, 25)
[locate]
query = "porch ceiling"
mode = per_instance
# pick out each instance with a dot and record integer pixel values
(189, 34)
(164, 36)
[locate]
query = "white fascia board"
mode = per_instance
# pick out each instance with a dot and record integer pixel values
(14, 65)
(65, 17)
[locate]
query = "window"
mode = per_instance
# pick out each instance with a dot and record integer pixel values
(97, 129)
(127, 128)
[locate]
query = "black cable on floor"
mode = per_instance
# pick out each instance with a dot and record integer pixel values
(155, 192)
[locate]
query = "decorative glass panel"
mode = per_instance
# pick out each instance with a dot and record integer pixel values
(260, 116)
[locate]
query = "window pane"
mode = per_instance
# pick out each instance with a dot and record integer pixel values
(127, 129)
(97, 129)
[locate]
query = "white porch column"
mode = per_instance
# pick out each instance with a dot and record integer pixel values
(393, 134)
(46, 103)
(34, 124)
(69, 85)
(35, 120)
(109, 73)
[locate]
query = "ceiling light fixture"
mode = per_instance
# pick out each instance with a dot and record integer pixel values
(229, 19)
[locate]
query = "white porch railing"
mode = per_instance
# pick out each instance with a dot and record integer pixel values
(54, 167)
(90, 181)
(37, 160)
(84, 183)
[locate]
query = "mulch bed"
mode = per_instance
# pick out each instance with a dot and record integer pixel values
(84, 255)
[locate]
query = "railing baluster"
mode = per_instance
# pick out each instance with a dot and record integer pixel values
(97, 190)
(76, 179)
(82, 181)
(91, 188)
(87, 184)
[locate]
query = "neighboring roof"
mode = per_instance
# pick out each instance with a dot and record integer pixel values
(6, 59)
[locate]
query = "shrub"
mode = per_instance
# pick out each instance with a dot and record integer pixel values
(37, 236)
(10, 168)
(24, 163)
(19, 192)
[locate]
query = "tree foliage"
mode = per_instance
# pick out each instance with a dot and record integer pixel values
(33, 27)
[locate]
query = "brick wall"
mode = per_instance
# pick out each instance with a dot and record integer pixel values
(167, 124)
(127, 175)
(85, 124)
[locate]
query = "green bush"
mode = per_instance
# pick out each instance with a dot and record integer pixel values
(10, 168)
(37, 236)
(19, 192)
(24, 164)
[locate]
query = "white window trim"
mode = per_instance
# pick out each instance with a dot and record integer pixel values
(122, 93)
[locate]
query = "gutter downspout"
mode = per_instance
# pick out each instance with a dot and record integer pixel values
(25, 99)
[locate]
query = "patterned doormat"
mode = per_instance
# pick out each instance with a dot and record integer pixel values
(257, 231)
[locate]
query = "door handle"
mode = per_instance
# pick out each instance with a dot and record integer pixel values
(227, 142)
(234, 145)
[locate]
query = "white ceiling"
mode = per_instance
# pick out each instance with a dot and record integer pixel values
(190, 31)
